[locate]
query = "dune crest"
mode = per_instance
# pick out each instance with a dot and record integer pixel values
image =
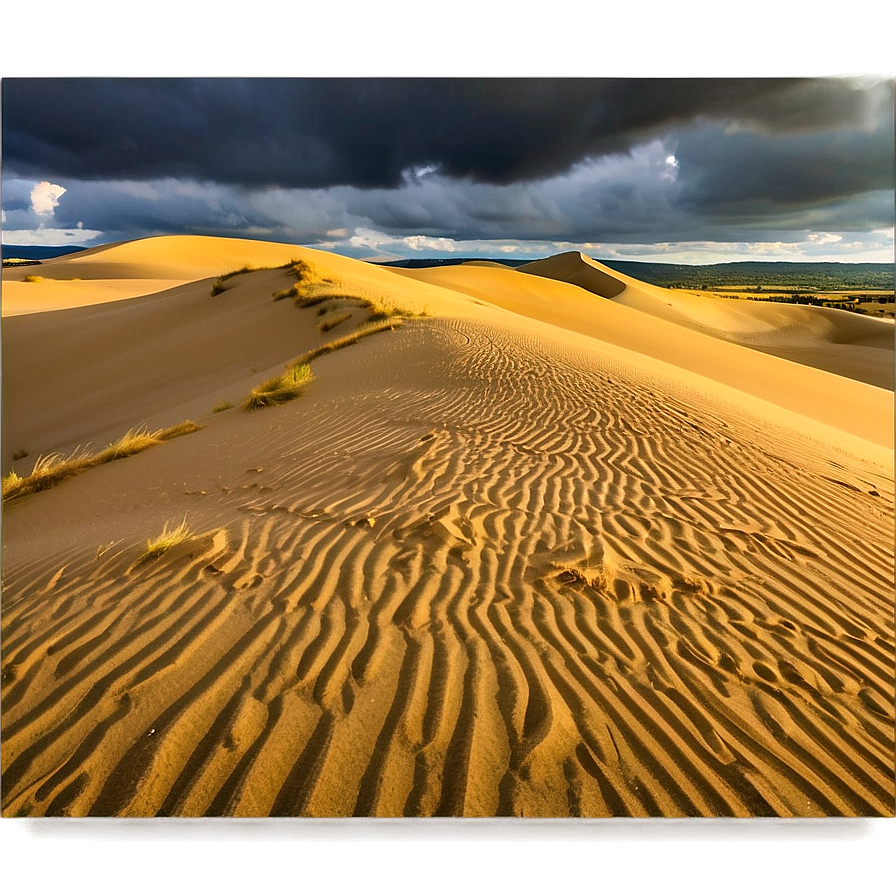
(826, 338)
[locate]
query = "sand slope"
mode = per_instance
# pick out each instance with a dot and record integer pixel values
(842, 342)
(485, 565)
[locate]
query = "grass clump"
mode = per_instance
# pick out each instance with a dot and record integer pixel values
(48, 470)
(33, 278)
(51, 469)
(165, 541)
(312, 286)
(218, 286)
(136, 440)
(290, 293)
(380, 310)
(332, 317)
(280, 389)
(221, 406)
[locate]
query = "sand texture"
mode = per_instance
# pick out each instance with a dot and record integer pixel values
(548, 551)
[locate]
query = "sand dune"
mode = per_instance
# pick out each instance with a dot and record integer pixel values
(849, 405)
(127, 270)
(827, 338)
(489, 563)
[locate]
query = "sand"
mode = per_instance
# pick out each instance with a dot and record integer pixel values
(548, 551)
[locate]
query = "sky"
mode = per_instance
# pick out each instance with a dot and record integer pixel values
(692, 170)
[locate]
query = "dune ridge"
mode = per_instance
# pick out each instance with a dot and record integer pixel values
(826, 338)
(483, 566)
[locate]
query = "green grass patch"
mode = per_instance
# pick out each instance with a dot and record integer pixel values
(51, 469)
(165, 541)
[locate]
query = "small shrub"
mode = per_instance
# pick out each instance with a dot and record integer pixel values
(169, 538)
(34, 278)
(221, 406)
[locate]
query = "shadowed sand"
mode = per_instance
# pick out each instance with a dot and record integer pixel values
(548, 551)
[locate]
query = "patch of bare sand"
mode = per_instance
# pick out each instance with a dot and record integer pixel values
(483, 566)
(847, 404)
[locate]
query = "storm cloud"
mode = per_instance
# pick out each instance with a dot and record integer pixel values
(427, 163)
(372, 132)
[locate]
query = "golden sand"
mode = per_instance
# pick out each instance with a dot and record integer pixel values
(567, 545)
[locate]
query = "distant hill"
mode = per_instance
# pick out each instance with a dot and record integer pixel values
(806, 275)
(39, 253)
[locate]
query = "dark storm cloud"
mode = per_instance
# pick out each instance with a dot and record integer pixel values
(747, 174)
(369, 132)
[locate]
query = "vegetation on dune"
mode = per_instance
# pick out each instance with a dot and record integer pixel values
(218, 286)
(280, 389)
(33, 278)
(51, 469)
(314, 287)
(165, 541)
(330, 318)
(222, 405)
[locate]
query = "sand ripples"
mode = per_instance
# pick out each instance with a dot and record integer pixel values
(550, 586)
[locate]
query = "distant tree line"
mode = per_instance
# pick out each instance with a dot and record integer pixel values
(821, 276)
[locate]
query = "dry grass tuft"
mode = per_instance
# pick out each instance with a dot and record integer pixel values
(290, 293)
(280, 389)
(51, 469)
(222, 405)
(48, 470)
(332, 317)
(218, 286)
(164, 542)
(33, 278)
(381, 309)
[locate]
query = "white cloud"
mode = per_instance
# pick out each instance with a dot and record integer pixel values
(45, 197)
(50, 236)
